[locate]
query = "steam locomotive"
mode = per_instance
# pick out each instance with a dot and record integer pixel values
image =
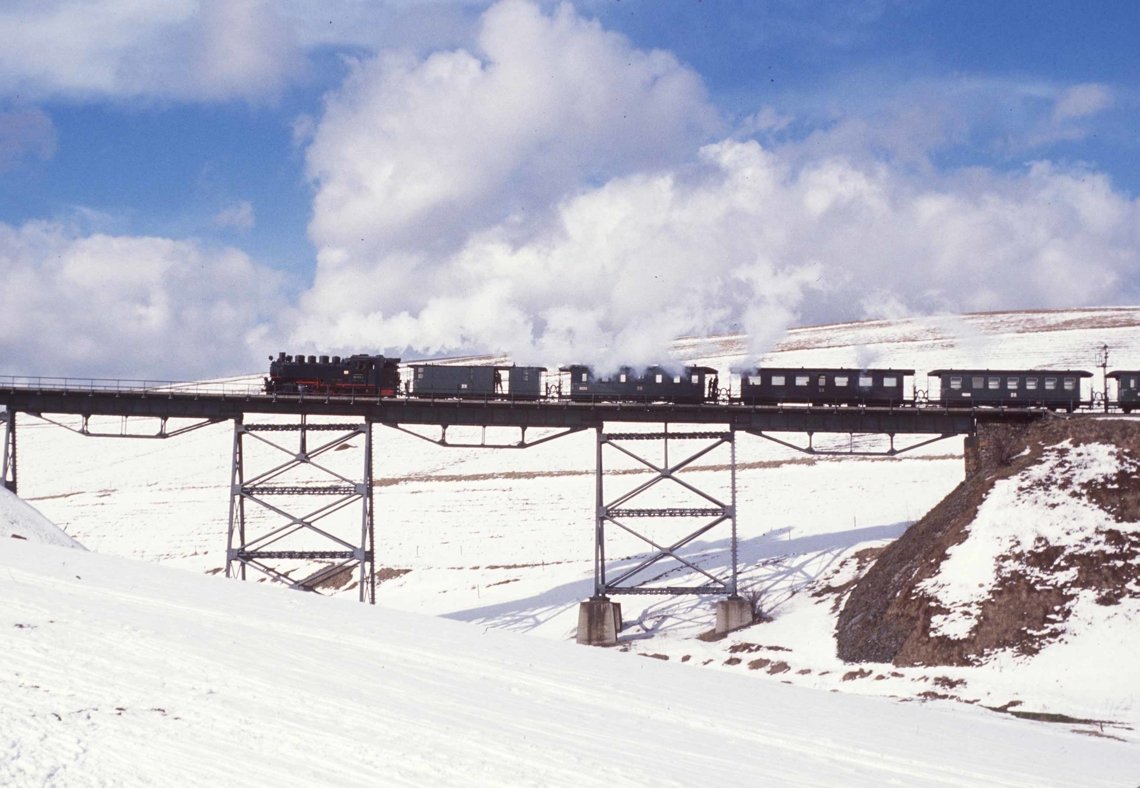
(380, 376)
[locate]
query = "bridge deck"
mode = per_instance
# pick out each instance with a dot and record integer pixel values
(194, 401)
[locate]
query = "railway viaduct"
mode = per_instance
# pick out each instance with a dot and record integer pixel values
(322, 424)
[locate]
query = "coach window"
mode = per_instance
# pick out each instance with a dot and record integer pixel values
(1050, 384)
(778, 380)
(801, 380)
(1031, 384)
(978, 382)
(866, 381)
(695, 379)
(956, 383)
(1070, 384)
(1011, 383)
(890, 381)
(754, 380)
(822, 381)
(994, 383)
(841, 381)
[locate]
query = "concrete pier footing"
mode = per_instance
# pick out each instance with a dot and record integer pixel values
(599, 622)
(731, 613)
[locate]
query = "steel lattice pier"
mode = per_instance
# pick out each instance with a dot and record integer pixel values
(661, 559)
(298, 514)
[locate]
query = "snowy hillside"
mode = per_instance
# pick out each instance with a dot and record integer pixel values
(504, 539)
(123, 673)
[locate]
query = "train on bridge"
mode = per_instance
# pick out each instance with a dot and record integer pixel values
(381, 376)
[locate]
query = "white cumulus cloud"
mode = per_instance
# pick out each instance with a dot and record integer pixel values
(180, 49)
(413, 152)
(120, 306)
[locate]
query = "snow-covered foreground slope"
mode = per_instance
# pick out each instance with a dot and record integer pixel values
(20, 521)
(124, 673)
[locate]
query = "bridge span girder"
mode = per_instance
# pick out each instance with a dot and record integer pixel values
(496, 413)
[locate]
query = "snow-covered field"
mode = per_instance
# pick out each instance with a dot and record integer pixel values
(123, 673)
(503, 540)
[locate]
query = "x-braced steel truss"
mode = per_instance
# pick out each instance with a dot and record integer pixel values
(521, 443)
(9, 451)
(810, 448)
(648, 573)
(306, 524)
(164, 430)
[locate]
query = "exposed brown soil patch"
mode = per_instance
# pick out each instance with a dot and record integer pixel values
(887, 618)
(389, 573)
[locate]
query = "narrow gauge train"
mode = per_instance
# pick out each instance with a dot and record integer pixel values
(1127, 389)
(693, 385)
(781, 385)
(968, 388)
(360, 374)
(438, 380)
(379, 376)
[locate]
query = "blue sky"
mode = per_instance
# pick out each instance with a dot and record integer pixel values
(187, 186)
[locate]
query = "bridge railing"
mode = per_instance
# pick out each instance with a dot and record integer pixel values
(231, 387)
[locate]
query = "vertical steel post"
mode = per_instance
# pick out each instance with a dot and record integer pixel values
(237, 505)
(599, 522)
(732, 503)
(9, 463)
(368, 526)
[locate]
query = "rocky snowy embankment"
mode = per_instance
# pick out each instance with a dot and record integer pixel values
(1032, 565)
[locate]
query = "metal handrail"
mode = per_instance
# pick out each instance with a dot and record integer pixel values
(242, 387)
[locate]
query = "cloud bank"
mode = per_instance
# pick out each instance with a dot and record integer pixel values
(561, 196)
(102, 305)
